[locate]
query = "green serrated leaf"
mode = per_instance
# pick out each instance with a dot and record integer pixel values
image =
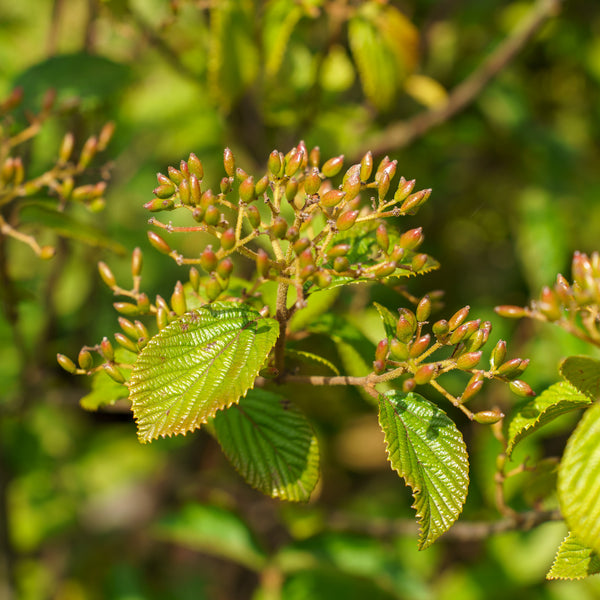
(388, 318)
(309, 357)
(213, 530)
(579, 480)
(201, 363)
(584, 373)
(531, 415)
(426, 449)
(66, 226)
(271, 444)
(574, 560)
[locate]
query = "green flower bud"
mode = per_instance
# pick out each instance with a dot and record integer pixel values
(228, 239)
(415, 201)
(107, 350)
(382, 237)
(418, 262)
(300, 246)
(291, 189)
(549, 304)
(128, 327)
(279, 227)
(143, 303)
(293, 160)
(240, 174)
(423, 309)
(366, 166)
(306, 258)
(253, 216)
(85, 360)
(463, 332)
(323, 278)
(458, 318)
(511, 368)
(157, 205)
(405, 327)
(126, 343)
(419, 346)
(488, 417)
(107, 275)
(520, 388)
(105, 135)
(162, 318)
(274, 163)
(224, 268)
(225, 185)
(113, 372)
(338, 250)
(398, 350)
(158, 243)
(229, 162)
(142, 330)
(194, 278)
(137, 260)
(212, 216)
(333, 166)
(208, 259)
(314, 157)
(425, 374)
(66, 363)
(165, 190)
(440, 328)
(498, 355)
(195, 166)
(66, 147)
(90, 147)
(178, 302)
(292, 234)
(247, 189)
(512, 312)
(195, 190)
(262, 263)
(468, 361)
(174, 175)
(411, 239)
(351, 183)
(261, 185)
(312, 182)
(385, 269)
(332, 198)
(126, 308)
(383, 186)
(340, 264)
(346, 220)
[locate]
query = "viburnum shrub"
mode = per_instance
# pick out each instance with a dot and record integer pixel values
(215, 351)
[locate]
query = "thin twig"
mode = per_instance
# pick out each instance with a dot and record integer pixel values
(402, 133)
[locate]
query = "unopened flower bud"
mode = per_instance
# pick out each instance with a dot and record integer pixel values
(66, 147)
(385, 269)
(475, 384)
(212, 215)
(425, 374)
(498, 355)
(333, 166)
(293, 160)
(398, 350)
(105, 135)
(175, 175)
(346, 220)
(137, 259)
(382, 237)
(195, 166)
(224, 268)
(383, 186)
(261, 185)
(300, 246)
(85, 360)
(351, 183)
(128, 327)
(549, 304)
(158, 243)
(228, 239)
(323, 278)
(468, 361)
(247, 189)
(423, 309)
(126, 308)
(107, 275)
(511, 312)
(340, 264)
(307, 272)
(113, 372)
(510, 369)
(88, 152)
(165, 190)
(411, 239)
(338, 250)
(306, 258)
(178, 302)
(195, 191)
(229, 162)
(366, 166)
(125, 342)
(520, 388)
(488, 417)
(312, 182)
(66, 363)
(332, 198)
(440, 328)
(208, 259)
(107, 350)
(314, 157)
(418, 262)
(408, 385)
(162, 318)
(378, 366)
(262, 263)
(253, 216)
(274, 163)
(419, 346)
(47, 252)
(381, 351)
(279, 227)
(415, 201)
(458, 318)
(291, 189)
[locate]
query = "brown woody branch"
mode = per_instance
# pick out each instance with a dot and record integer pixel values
(402, 133)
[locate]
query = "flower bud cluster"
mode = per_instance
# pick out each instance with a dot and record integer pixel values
(574, 306)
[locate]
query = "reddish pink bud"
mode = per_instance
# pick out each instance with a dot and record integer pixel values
(419, 346)
(333, 166)
(468, 361)
(229, 162)
(346, 220)
(332, 198)
(381, 351)
(425, 374)
(158, 243)
(411, 239)
(366, 166)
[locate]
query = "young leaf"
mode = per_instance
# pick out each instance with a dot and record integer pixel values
(427, 450)
(271, 444)
(531, 415)
(579, 480)
(199, 364)
(310, 358)
(584, 373)
(213, 530)
(574, 560)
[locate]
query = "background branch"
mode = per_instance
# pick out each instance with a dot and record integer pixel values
(402, 133)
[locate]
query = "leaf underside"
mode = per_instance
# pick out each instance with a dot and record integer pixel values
(574, 560)
(531, 415)
(427, 450)
(201, 363)
(271, 444)
(579, 480)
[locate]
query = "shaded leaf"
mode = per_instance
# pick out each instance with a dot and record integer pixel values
(574, 560)
(271, 444)
(280, 19)
(579, 480)
(199, 364)
(213, 530)
(389, 319)
(584, 373)
(309, 357)
(318, 303)
(531, 415)
(427, 450)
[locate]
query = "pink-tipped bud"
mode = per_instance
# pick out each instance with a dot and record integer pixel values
(520, 388)
(419, 346)
(333, 166)
(366, 166)
(425, 374)
(229, 162)
(158, 243)
(468, 361)
(411, 239)
(178, 301)
(208, 259)
(332, 198)
(346, 220)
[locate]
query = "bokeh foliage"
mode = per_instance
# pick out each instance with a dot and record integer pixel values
(95, 515)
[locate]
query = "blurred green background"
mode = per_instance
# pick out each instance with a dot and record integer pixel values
(93, 514)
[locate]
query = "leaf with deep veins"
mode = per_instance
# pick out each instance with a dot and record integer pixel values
(427, 450)
(201, 363)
